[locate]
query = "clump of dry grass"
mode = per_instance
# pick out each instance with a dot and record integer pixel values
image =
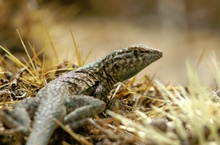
(145, 112)
(188, 115)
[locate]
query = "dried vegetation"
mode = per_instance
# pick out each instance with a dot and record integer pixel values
(142, 112)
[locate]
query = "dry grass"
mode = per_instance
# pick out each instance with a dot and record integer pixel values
(142, 112)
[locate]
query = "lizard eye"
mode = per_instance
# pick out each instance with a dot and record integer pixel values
(135, 53)
(96, 83)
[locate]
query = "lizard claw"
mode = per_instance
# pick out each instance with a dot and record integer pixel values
(10, 131)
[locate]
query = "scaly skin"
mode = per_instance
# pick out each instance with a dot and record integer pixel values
(76, 95)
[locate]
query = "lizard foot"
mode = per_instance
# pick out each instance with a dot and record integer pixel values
(8, 118)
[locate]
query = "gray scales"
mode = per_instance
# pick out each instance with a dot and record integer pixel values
(77, 95)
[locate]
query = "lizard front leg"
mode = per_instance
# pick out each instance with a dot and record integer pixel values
(80, 107)
(19, 119)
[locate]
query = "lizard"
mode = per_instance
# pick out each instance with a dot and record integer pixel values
(76, 95)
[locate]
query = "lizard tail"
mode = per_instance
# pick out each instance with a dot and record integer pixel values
(41, 136)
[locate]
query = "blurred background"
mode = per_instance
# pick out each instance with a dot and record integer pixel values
(182, 29)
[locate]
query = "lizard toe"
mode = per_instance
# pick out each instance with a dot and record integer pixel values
(76, 124)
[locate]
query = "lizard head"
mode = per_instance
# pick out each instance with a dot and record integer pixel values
(125, 63)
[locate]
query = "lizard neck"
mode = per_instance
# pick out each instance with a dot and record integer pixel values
(99, 74)
(99, 70)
